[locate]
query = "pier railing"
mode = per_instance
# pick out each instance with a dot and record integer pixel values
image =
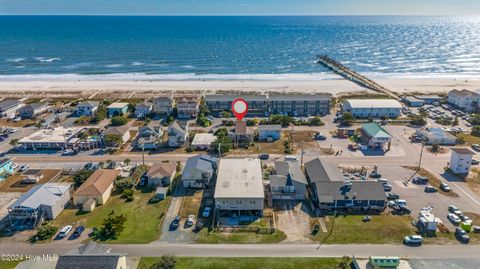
(353, 76)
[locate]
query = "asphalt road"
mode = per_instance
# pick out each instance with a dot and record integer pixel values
(256, 250)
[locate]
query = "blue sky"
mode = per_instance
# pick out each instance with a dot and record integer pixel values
(242, 7)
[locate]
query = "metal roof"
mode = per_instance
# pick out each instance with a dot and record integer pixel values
(44, 194)
(373, 103)
(374, 129)
(321, 170)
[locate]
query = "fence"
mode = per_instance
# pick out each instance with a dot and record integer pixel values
(245, 228)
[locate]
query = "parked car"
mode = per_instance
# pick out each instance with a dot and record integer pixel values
(476, 147)
(190, 220)
(393, 196)
(475, 162)
(291, 159)
(206, 212)
(78, 231)
(263, 156)
(320, 136)
(430, 188)
(453, 218)
(175, 223)
(476, 229)
(199, 226)
(452, 208)
(387, 187)
(413, 240)
(375, 174)
(462, 235)
(14, 166)
(64, 231)
(465, 218)
(420, 180)
(444, 187)
(17, 119)
(24, 168)
(2, 138)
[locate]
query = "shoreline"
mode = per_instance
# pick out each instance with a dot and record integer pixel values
(141, 88)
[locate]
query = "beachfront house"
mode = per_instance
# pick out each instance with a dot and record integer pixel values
(142, 110)
(117, 109)
(187, 107)
(257, 104)
(87, 108)
(460, 160)
(239, 191)
(464, 99)
(299, 104)
(198, 171)
(269, 132)
(372, 108)
(375, 136)
(177, 134)
(41, 202)
(96, 189)
(9, 107)
(33, 110)
(161, 174)
(163, 105)
(288, 182)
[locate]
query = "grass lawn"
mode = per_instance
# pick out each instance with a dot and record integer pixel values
(248, 263)
(191, 204)
(432, 180)
(239, 238)
(143, 219)
(382, 229)
(468, 138)
(9, 264)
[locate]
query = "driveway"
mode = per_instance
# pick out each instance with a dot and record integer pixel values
(181, 234)
(292, 219)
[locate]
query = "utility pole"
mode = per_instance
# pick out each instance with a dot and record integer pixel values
(301, 163)
(143, 154)
(421, 155)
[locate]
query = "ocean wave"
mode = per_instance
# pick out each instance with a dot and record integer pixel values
(15, 60)
(137, 63)
(47, 60)
(113, 65)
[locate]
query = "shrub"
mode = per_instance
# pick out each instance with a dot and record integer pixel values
(119, 120)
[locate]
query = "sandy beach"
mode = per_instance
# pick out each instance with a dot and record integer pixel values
(141, 88)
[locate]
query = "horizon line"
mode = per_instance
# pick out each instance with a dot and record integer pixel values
(248, 15)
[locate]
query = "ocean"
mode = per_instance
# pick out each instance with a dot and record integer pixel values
(236, 48)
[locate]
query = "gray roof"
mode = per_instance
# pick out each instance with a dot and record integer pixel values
(299, 97)
(89, 103)
(463, 151)
(291, 169)
(320, 170)
(8, 103)
(143, 105)
(179, 125)
(44, 194)
(36, 105)
(271, 127)
(197, 163)
(89, 256)
(355, 190)
(119, 130)
(231, 97)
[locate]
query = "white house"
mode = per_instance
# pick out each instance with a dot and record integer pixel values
(149, 137)
(177, 134)
(163, 105)
(372, 108)
(461, 160)
(464, 99)
(239, 188)
(375, 136)
(143, 109)
(9, 107)
(269, 132)
(187, 107)
(203, 141)
(87, 108)
(288, 182)
(198, 171)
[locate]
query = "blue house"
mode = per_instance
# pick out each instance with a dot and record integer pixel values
(116, 109)
(6, 168)
(269, 132)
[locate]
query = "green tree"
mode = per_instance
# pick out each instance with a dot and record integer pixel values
(80, 176)
(287, 145)
(100, 115)
(475, 131)
(455, 121)
(119, 120)
(45, 232)
(226, 114)
(113, 140)
(224, 143)
(418, 120)
(165, 262)
(113, 225)
(316, 121)
(14, 142)
(127, 161)
(347, 118)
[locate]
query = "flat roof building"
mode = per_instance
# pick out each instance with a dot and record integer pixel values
(372, 108)
(239, 188)
(59, 138)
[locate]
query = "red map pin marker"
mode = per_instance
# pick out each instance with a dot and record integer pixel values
(239, 108)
